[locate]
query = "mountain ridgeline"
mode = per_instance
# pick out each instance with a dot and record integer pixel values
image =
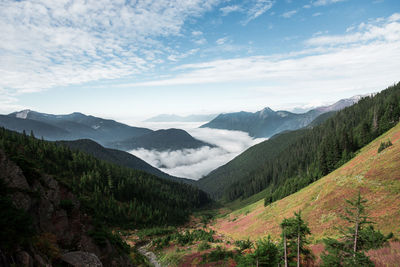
(119, 157)
(161, 140)
(266, 122)
(290, 161)
(105, 132)
(112, 194)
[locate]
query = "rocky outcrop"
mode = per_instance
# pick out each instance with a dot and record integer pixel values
(81, 259)
(60, 225)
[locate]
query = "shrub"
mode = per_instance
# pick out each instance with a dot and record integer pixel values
(46, 243)
(384, 145)
(218, 254)
(244, 244)
(203, 246)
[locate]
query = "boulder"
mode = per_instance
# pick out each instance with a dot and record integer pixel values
(81, 259)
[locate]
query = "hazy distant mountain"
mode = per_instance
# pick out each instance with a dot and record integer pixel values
(177, 118)
(161, 140)
(40, 129)
(119, 157)
(70, 127)
(266, 122)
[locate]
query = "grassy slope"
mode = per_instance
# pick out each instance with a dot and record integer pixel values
(376, 175)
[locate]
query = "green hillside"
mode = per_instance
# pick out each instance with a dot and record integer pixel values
(113, 194)
(375, 174)
(290, 161)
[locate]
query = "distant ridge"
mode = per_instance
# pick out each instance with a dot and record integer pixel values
(161, 140)
(267, 122)
(70, 126)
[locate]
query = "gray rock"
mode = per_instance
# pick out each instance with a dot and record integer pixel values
(81, 259)
(24, 259)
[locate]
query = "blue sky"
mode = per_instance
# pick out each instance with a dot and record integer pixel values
(129, 60)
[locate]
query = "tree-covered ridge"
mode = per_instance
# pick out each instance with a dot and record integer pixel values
(114, 194)
(313, 153)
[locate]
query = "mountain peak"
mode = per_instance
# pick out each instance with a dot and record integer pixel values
(265, 112)
(23, 114)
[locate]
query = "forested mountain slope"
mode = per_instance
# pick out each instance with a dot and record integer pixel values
(113, 194)
(288, 162)
(118, 157)
(160, 140)
(375, 174)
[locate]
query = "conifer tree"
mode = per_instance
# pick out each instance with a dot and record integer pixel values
(347, 251)
(294, 232)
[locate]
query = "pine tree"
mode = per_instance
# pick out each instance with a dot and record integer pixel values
(294, 232)
(347, 251)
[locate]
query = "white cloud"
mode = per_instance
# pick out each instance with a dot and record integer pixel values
(368, 59)
(197, 33)
(325, 2)
(221, 41)
(259, 8)
(46, 44)
(229, 9)
(289, 14)
(389, 31)
(195, 163)
(317, 14)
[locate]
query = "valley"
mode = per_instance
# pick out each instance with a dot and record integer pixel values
(164, 220)
(204, 133)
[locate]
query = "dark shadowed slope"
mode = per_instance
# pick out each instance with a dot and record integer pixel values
(170, 139)
(119, 157)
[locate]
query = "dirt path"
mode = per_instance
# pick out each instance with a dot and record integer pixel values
(149, 255)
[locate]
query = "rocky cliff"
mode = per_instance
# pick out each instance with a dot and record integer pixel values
(59, 232)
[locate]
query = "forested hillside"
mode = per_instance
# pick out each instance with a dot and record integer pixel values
(113, 194)
(119, 157)
(310, 153)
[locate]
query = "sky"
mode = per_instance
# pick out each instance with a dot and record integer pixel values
(130, 60)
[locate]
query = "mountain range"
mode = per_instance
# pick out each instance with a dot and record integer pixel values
(267, 122)
(106, 132)
(161, 140)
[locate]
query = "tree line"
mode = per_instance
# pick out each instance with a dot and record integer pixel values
(357, 237)
(305, 155)
(113, 194)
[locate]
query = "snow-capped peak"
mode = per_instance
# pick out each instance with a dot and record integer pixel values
(23, 114)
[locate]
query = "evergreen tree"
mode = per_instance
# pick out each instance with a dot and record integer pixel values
(294, 232)
(355, 238)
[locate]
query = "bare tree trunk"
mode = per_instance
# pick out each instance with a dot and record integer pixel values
(298, 249)
(285, 248)
(356, 232)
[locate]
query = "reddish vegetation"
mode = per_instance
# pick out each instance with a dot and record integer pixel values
(387, 256)
(376, 175)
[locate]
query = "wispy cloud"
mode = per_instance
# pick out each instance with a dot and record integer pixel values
(44, 44)
(229, 9)
(258, 8)
(325, 2)
(222, 40)
(386, 31)
(368, 58)
(289, 14)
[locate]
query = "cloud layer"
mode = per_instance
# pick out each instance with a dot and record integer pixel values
(44, 44)
(195, 163)
(367, 57)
